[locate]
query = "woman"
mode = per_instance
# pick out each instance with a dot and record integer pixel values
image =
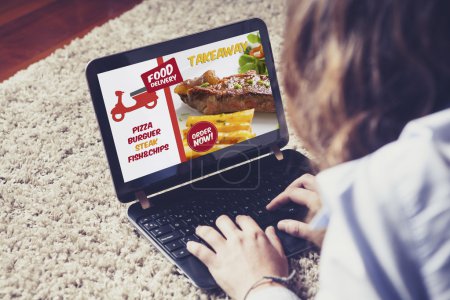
(356, 73)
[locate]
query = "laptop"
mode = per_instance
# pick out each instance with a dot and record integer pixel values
(193, 128)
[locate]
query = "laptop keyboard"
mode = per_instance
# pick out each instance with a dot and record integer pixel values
(172, 227)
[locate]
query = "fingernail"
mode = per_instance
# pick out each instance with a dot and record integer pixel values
(189, 245)
(221, 216)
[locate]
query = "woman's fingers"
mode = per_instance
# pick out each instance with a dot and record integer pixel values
(203, 253)
(302, 230)
(295, 228)
(297, 195)
(246, 223)
(306, 181)
(211, 236)
(302, 191)
(274, 240)
(278, 201)
(226, 226)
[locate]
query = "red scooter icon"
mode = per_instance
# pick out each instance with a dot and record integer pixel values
(142, 97)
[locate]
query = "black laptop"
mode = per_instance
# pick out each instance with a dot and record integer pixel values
(193, 128)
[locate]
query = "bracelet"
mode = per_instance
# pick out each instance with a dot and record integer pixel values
(264, 279)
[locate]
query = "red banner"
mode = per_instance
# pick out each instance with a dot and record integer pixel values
(164, 75)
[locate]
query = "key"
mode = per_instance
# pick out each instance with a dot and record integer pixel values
(173, 245)
(192, 220)
(179, 224)
(291, 211)
(162, 230)
(189, 211)
(233, 214)
(156, 215)
(169, 237)
(254, 215)
(209, 222)
(176, 216)
(187, 231)
(190, 238)
(163, 221)
(202, 216)
(145, 220)
(151, 225)
(246, 208)
(180, 253)
(259, 212)
(167, 211)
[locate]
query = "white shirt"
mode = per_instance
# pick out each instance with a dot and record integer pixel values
(389, 219)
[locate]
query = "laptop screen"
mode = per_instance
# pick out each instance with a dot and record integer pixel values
(181, 106)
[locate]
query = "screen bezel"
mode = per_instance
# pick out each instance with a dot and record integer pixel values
(191, 169)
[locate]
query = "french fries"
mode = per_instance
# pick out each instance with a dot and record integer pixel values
(245, 116)
(232, 128)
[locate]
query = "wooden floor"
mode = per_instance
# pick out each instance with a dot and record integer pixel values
(32, 29)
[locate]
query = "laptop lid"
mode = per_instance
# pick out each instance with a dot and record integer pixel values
(181, 109)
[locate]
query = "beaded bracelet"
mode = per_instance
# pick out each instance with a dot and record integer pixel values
(265, 279)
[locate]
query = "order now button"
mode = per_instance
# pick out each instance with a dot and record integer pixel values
(202, 136)
(164, 75)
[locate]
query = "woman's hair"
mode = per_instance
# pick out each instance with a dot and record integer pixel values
(356, 71)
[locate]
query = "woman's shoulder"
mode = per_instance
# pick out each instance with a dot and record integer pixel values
(422, 141)
(417, 161)
(417, 164)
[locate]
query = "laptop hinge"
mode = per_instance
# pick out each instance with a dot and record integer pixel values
(277, 152)
(143, 200)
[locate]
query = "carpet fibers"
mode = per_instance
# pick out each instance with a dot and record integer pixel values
(63, 233)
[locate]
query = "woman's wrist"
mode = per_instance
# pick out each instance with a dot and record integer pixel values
(260, 286)
(270, 281)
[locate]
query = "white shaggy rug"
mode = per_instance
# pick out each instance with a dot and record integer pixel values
(63, 233)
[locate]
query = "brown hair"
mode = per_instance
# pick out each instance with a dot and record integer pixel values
(356, 71)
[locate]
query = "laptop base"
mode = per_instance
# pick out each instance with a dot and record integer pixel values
(171, 220)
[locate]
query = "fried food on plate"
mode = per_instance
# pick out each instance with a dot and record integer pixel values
(211, 95)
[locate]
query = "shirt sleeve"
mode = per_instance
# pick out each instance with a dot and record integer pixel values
(272, 292)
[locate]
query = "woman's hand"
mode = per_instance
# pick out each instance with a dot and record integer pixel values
(302, 191)
(240, 256)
